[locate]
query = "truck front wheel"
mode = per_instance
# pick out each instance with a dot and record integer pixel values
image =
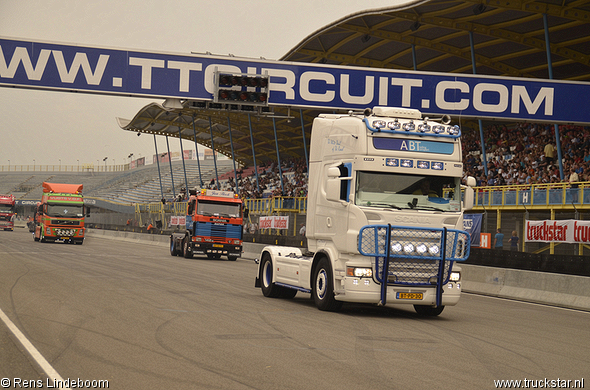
(187, 249)
(173, 250)
(430, 311)
(269, 289)
(322, 290)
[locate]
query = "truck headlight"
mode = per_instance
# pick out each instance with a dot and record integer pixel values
(455, 276)
(408, 248)
(359, 272)
(421, 249)
(396, 247)
(433, 250)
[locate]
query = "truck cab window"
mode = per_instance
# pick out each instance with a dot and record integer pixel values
(219, 209)
(403, 191)
(344, 184)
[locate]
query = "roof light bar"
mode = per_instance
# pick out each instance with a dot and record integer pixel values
(395, 126)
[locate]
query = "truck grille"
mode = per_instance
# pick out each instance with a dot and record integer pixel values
(415, 254)
(63, 222)
(413, 271)
(208, 229)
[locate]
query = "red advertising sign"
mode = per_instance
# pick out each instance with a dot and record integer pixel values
(274, 222)
(567, 230)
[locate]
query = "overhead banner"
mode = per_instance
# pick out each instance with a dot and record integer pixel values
(274, 222)
(566, 231)
(43, 65)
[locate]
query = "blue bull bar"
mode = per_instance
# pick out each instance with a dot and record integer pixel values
(415, 256)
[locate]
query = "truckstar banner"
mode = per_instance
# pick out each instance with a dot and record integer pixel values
(274, 222)
(71, 68)
(567, 231)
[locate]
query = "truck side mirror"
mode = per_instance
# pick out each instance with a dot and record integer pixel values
(333, 172)
(468, 196)
(191, 206)
(333, 189)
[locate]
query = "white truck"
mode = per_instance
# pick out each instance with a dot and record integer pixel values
(385, 214)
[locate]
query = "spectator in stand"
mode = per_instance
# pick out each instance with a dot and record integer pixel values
(573, 181)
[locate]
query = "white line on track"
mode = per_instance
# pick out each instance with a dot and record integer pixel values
(35, 354)
(553, 306)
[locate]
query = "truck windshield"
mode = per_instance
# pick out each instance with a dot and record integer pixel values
(222, 209)
(6, 208)
(65, 210)
(402, 191)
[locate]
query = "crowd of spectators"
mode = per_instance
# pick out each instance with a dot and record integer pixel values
(269, 182)
(526, 154)
(523, 153)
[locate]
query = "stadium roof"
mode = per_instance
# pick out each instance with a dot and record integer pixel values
(435, 36)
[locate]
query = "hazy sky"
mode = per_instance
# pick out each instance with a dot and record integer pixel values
(48, 126)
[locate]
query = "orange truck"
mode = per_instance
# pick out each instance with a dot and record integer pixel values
(7, 212)
(60, 214)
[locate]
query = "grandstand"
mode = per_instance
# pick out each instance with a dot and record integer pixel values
(140, 185)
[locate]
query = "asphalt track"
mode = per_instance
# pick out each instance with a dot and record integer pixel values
(131, 314)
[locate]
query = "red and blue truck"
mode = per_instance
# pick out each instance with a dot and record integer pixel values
(213, 226)
(7, 212)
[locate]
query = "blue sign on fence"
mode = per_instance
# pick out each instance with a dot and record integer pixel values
(472, 225)
(161, 75)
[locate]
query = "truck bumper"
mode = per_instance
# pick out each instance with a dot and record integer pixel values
(366, 290)
(217, 249)
(6, 226)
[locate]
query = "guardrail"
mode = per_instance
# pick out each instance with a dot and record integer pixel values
(157, 211)
(64, 168)
(278, 204)
(531, 196)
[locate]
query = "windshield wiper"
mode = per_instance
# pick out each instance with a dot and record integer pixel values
(427, 208)
(370, 204)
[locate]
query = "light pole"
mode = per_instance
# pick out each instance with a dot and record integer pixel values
(78, 165)
(105, 163)
(9, 165)
(60, 164)
(33, 165)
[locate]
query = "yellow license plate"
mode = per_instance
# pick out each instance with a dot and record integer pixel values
(217, 246)
(402, 295)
